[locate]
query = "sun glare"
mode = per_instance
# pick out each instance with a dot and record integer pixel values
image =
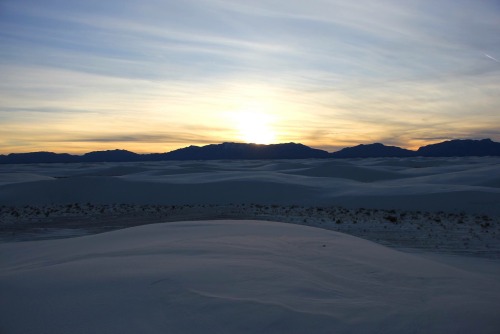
(255, 127)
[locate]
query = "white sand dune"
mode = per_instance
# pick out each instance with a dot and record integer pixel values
(237, 277)
(115, 190)
(453, 184)
(8, 178)
(281, 166)
(448, 201)
(251, 276)
(361, 174)
(112, 171)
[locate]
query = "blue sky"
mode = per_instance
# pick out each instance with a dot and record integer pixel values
(151, 76)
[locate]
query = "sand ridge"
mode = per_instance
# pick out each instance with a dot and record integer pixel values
(454, 185)
(237, 276)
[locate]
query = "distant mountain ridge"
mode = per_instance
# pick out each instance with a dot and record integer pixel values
(376, 150)
(246, 151)
(240, 151)
(222, 151)
(461, 148)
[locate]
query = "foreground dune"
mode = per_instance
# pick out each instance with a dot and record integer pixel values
(237, 277)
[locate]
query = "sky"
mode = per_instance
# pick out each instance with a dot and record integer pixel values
(153, 76)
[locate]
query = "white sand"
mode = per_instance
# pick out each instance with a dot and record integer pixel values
(447, 184)
(252, 276)
(238, 277)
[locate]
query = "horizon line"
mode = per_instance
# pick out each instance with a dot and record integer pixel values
(244, 143)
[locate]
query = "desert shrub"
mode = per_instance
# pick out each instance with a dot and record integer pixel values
(391, 218)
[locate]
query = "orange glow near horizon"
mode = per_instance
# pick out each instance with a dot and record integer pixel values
(235, 112)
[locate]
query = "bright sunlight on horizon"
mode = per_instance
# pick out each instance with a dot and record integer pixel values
(255, 125)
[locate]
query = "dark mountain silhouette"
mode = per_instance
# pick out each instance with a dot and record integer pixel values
(245, 151)
(110, 156)
(49, 157)
(376, 150)
(37, 157)
(208, 152)
(459, 148)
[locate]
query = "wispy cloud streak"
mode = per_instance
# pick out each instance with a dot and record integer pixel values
(491, 57)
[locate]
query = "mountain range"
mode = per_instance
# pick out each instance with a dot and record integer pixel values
(240, 151)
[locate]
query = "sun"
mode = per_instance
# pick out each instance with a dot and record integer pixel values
(255, 127)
